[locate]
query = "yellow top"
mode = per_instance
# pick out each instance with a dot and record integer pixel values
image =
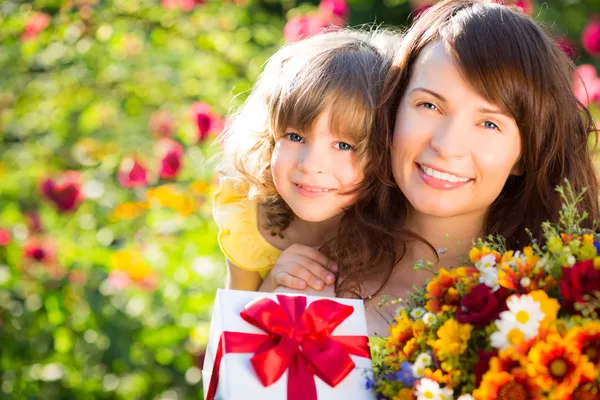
(239, 238)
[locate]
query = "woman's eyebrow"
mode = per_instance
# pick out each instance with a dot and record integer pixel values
(431, 92)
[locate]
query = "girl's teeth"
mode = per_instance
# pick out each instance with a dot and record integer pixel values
(442, 175)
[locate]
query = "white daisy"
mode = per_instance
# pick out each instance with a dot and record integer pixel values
(465, 397)
(525, 312)
(447, 394)
(424, 358)
(418, 369)
(417, 313)
(489, 277)
(487, 261)
(427, 390)
(429, 318)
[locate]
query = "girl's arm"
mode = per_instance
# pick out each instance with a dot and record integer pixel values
(241, 279)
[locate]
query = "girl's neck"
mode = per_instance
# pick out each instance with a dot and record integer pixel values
(451, 237)
(311, 233)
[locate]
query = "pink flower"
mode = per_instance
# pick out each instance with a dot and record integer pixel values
(34, 25)
(5, 237)
(590, 37)
(525, 5)
(567, 46)
(170, 153)
(40, 250)
(185, 5)
(64, 191)
(132, 173)
(161, 124)
(305, 26)
(206, 121)
(119, 279)
(338, 8)
(586, 84)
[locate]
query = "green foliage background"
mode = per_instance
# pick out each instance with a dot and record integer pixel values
(79, 96)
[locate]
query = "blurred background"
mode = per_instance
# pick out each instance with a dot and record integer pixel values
(108, 114)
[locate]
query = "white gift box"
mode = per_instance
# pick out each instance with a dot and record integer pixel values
(236, 376)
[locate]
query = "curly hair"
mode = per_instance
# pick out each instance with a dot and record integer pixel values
(343, 70)
(513, 63)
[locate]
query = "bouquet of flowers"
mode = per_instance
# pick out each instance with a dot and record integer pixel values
(509, 324)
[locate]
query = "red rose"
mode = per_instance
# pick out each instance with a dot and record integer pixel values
(132, 173)
(481, 306)
(64, 191)
(483, 364)
(170, 153)
(590, 37)
(206, 121)
(577, 281)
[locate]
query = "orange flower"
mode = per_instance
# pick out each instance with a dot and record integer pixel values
(476, 254)
(587, 339)
(558, 366)
(442, 290)
(522, 272)
(404, 334)
(515, 385)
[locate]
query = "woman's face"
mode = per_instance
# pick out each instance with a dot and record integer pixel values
(452, 150)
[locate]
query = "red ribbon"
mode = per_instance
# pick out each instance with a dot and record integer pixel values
(299, 339)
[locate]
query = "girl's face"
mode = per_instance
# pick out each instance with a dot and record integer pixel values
(452, 150)
(313, 171)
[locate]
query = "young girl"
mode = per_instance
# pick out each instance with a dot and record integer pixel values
(294, 156)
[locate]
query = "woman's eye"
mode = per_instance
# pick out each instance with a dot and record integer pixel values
(490, 125)
(344, 146)
(294, 137)
(429, 106)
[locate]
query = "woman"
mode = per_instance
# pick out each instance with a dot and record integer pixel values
(481, 125)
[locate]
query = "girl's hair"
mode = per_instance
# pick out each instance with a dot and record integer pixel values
(514, 64)
(343, 70)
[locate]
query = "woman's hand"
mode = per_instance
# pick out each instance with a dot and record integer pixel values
(301, 266)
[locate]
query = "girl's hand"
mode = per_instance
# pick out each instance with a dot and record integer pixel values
(300, 266)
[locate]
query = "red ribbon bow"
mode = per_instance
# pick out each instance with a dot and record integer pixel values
(299, 339)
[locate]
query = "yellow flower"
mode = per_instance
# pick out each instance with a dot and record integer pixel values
(548, 305)
(131, 262)
(199, 187)
(404, 394)
(452, 339)
(129, 210)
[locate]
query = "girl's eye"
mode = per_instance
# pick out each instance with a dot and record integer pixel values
(344, 146)
(429, 106)
(490, 125)
(294, 137)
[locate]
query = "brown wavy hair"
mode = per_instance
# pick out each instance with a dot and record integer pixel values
(344, 70)
(514, 64)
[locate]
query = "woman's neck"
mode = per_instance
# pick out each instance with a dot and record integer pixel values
(451, 237)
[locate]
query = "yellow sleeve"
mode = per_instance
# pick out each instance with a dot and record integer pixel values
(239, 238)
